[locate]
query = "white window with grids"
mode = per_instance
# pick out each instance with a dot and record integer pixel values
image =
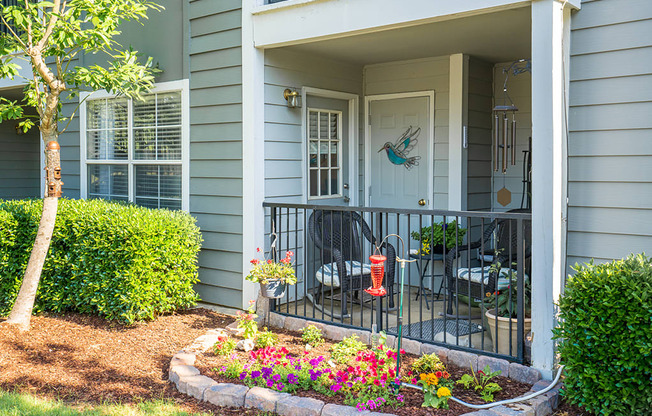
(324, 154)
(137, 150)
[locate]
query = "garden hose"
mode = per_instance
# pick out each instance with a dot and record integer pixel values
(509, 401)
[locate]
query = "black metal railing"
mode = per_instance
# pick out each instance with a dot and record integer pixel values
(477, 254)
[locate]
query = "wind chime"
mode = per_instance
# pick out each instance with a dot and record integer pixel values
(504, 140)
(377, 289)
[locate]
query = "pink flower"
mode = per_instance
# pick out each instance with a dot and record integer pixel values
(289, 253)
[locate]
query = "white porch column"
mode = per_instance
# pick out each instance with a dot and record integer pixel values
(253, 149)
(550, 37)
(457, 119)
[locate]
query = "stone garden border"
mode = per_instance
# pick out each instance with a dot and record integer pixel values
(189, 381)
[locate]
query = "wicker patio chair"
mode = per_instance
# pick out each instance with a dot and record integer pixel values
(467, 282)
(338, 237)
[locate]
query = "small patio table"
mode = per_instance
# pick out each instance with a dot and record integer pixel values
(423, 261)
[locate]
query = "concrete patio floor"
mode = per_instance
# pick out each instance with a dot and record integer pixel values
(414, 312)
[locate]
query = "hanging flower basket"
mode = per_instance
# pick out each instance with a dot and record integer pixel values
(273, 289)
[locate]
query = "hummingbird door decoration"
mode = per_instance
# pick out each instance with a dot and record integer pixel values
(397, 152)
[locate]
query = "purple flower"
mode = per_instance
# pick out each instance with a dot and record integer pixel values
(255, 374)
(267, 371)
(276, 378)
(336, 387)
(297, 367)
(243, 375)
(280, 386)
(270, 383)
(372, 404)
(292, 379)
(314, 362)
(314, 375)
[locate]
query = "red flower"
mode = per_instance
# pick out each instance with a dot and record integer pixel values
(258, 249)
(289, 253)
(438, 374)
(269, 261)
(376, 382)
(402, 351)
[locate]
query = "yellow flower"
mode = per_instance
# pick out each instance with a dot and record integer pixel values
(432, 379)
(443, 392)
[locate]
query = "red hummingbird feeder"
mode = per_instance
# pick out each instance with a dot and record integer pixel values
(377, 275)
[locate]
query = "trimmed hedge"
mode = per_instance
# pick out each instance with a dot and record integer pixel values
(116, 260)
(605, 335)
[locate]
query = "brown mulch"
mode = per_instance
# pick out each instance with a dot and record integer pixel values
(208, 364)
(83, 359)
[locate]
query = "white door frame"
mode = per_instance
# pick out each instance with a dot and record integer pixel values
(353, 104)
(431, 138)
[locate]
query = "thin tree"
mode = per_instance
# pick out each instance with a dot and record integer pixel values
(51, 36)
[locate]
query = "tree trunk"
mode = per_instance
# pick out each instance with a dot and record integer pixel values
(22, 310)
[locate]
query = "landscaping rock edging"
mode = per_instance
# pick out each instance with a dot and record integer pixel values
(189, 381)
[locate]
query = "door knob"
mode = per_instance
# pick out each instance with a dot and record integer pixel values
(422, 202)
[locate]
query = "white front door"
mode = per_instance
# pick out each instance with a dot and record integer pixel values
(400, 140)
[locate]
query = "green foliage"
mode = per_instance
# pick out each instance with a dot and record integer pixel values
(267, 269)
(483, 384)
(119, 261)
(266, 338)
(224, 346)
(42, 31)
(247, 321)
(506, 300)
(433, 236)
(604, 334)
(349, 347)
(428, 363)
(312, 335)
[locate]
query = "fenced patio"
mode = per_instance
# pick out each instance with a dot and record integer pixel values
(457, 258)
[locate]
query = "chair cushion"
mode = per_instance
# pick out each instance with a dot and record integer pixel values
(478, 272)
(328, 275)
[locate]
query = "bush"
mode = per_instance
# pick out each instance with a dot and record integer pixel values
(116, 260)
(604, 335)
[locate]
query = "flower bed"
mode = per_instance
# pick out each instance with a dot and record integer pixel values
(352, 373)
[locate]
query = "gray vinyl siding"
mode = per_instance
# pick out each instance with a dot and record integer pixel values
(479, 135)
(69, 142)
(610, 145)
(420, 75)
(215, 66)
(519, 88)
(283, 140)
(19, 163)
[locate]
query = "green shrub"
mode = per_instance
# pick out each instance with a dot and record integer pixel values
(266, 338)
(427, 363)
(349, 347)
(116, 260)
(312, 335)
(605, 337)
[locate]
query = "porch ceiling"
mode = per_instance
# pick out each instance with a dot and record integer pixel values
(494, 37)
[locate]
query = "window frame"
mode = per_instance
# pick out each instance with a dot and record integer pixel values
(340, 173)
(181, 86)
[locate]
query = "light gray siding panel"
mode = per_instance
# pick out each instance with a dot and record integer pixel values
(610, 151)
(611, 169)
(611, 143)
(630, 35)
(69, 141)
(611, 117)
(611, 12)
(478, 154)
(19, 163)
(216, 146)
(609, 64)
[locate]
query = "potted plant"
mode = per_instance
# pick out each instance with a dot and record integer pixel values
(273, 276)
(501, 307)
(432, 237)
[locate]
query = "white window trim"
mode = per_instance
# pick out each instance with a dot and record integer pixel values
(161, 87)
(340, 173)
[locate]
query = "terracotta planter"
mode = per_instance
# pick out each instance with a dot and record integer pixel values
(274, 289)
(503, 336)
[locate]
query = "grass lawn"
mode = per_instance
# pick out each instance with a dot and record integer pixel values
(20, 404)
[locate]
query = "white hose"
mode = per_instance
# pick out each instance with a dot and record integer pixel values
(490, 405)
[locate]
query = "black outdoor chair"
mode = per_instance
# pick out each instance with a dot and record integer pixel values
(337, 238)
(506, 243)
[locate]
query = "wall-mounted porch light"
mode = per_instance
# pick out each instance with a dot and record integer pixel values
(292, 97)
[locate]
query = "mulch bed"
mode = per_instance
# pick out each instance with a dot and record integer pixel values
(208, 363)
(84, 360)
